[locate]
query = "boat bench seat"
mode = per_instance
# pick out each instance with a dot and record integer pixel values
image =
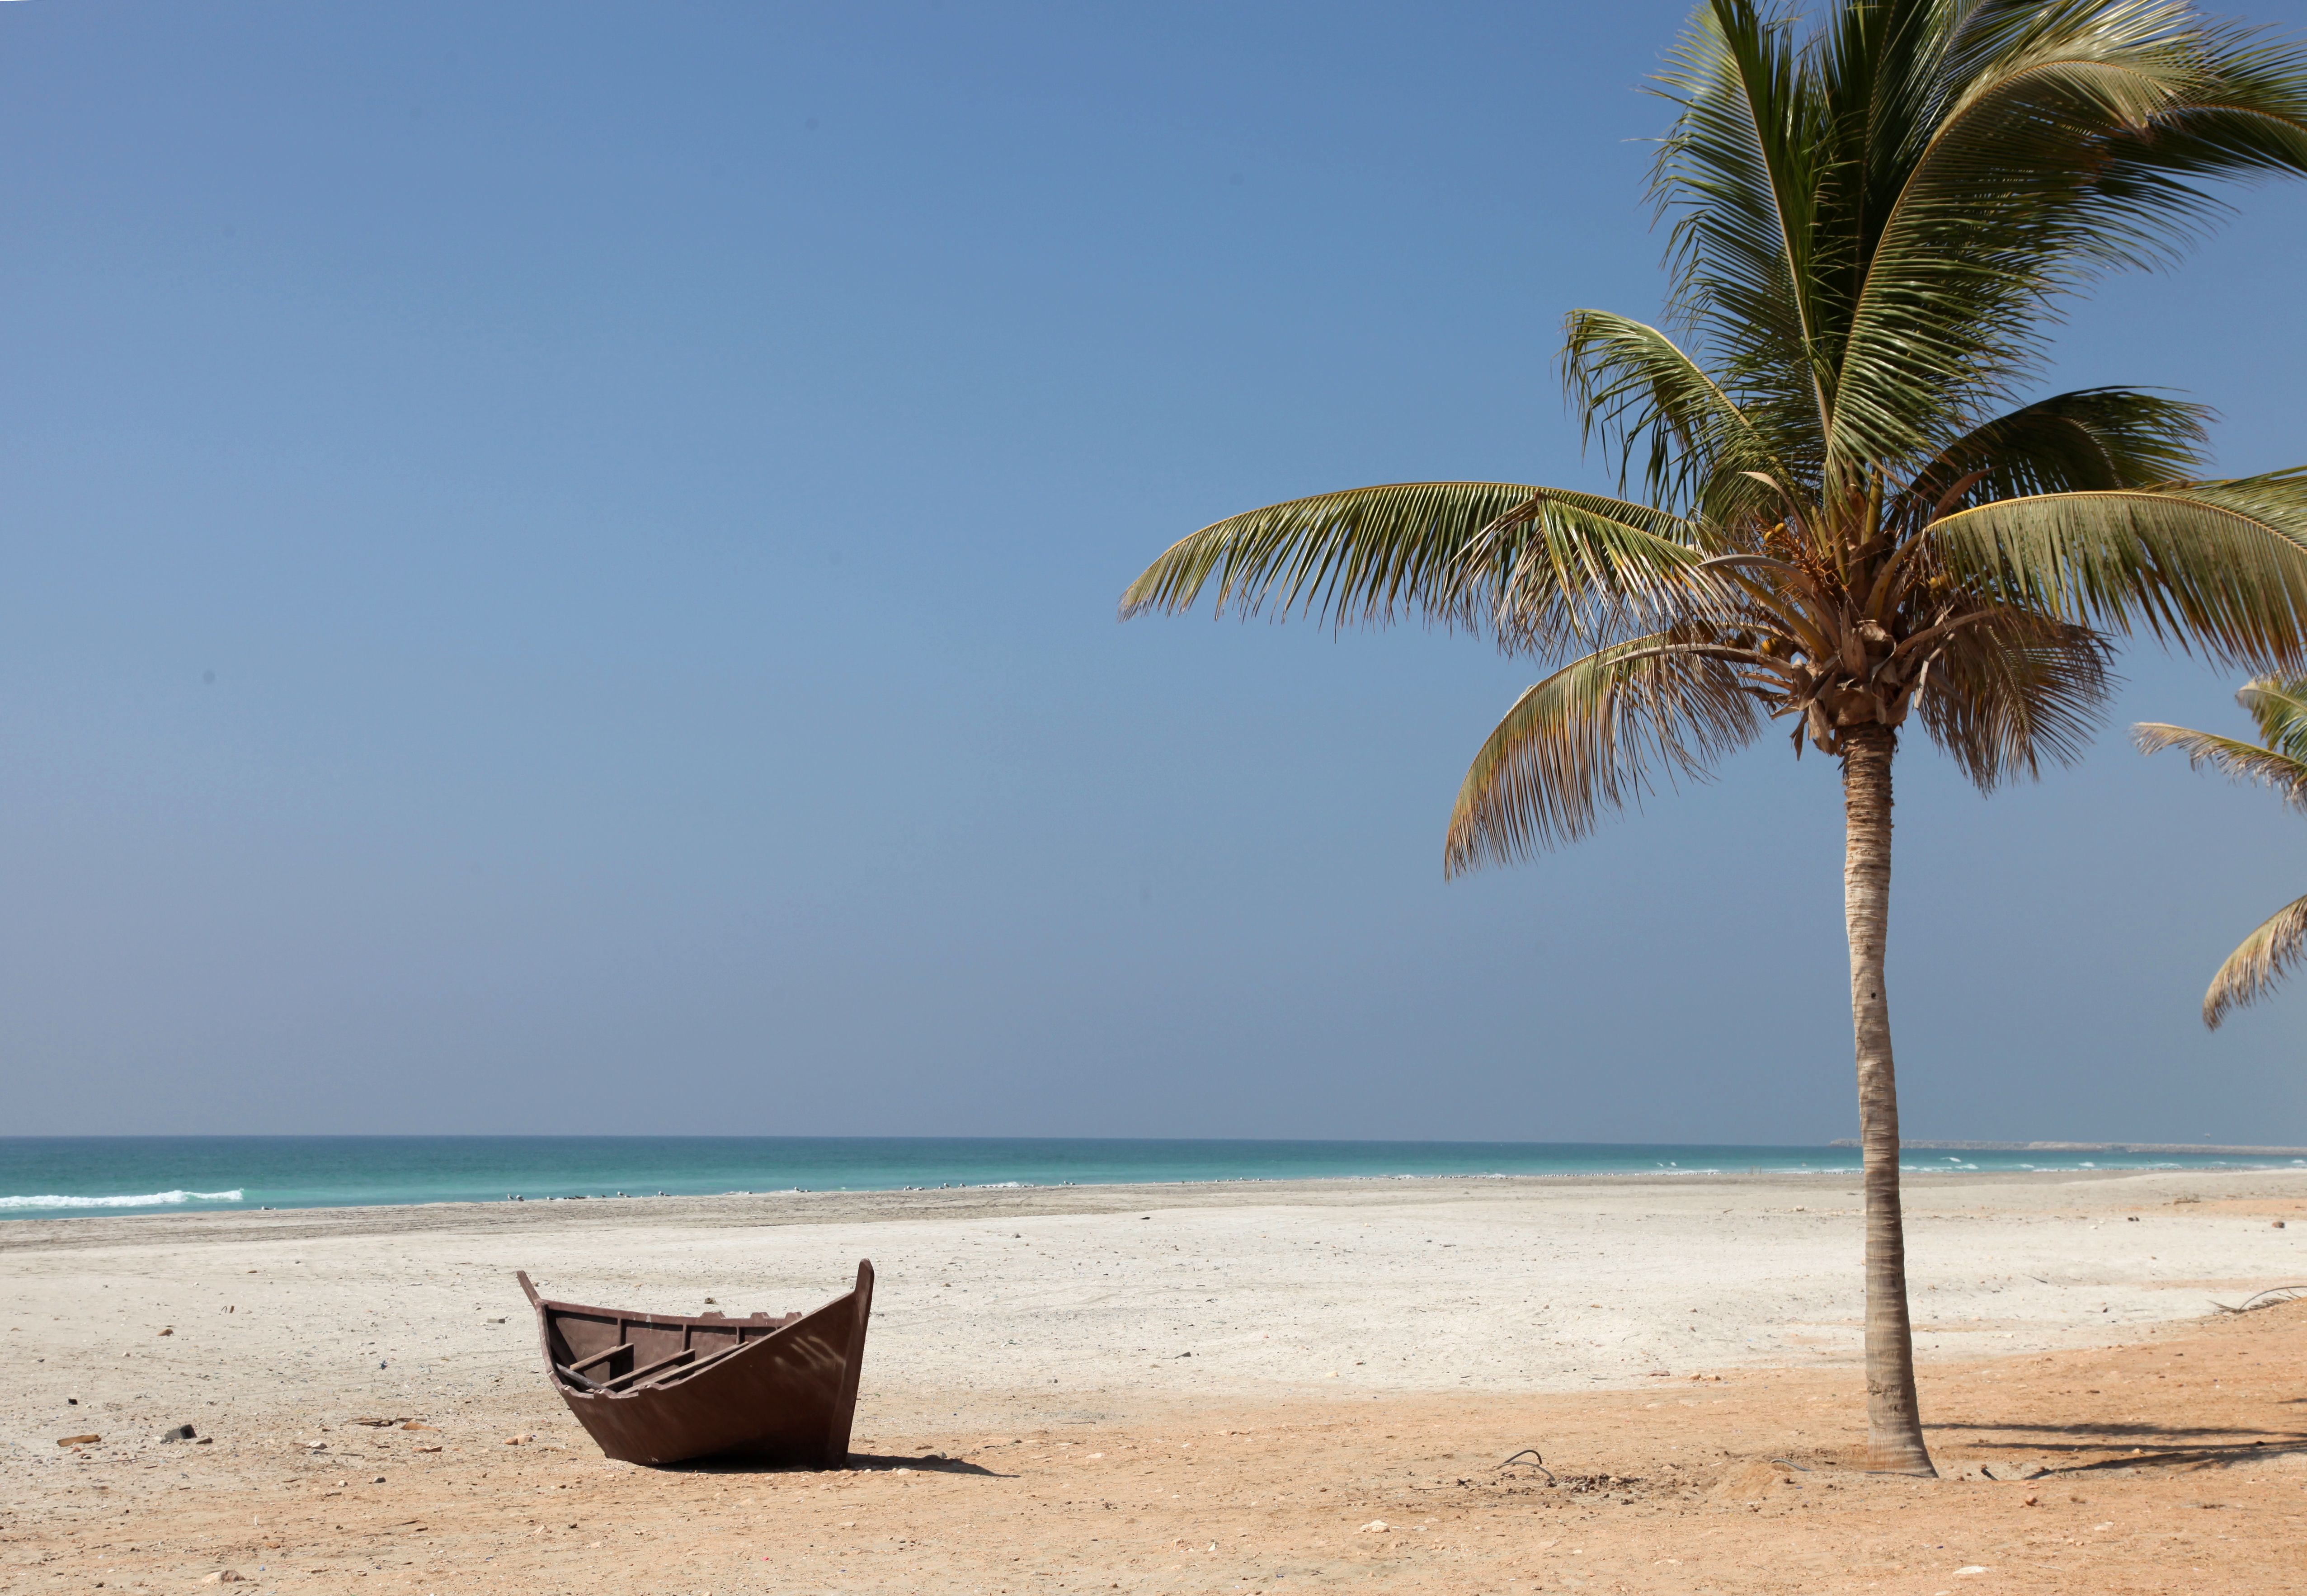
(582, 1364)
(659, 1367)
(685, 1370)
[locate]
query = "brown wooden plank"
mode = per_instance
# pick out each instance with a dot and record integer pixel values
(659, 1367)
(583, 1364)
(682, 1374)
(845, 1400)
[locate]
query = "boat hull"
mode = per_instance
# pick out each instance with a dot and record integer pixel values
(658, 1388)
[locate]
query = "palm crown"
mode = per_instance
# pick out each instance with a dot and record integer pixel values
(1835, 506)
(1849, 517)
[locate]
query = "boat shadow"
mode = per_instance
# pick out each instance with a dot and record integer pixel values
(860, 1462)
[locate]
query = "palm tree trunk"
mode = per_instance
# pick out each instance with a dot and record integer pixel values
(1895, 1425)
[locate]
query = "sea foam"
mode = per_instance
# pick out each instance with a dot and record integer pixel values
(150, 1199)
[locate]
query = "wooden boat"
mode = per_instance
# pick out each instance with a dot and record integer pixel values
(654, 1388)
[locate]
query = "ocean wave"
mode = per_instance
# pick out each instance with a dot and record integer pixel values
(150, 1199)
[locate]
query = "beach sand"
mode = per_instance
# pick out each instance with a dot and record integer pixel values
(1225, 1388)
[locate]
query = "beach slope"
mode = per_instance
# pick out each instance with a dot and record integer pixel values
(1188, 1388)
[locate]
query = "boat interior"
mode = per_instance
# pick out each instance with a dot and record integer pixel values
(607, 1350)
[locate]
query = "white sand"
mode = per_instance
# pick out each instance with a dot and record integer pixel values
(1027, 1424)
(1002, 1307)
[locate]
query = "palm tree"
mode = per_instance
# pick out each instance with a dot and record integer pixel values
(2279, 759)
(1847, 514)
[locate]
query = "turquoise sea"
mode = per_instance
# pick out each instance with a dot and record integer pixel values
(57, 1176)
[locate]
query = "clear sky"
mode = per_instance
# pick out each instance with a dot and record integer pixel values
(560, 576)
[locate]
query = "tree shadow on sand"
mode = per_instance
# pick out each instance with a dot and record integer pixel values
(2139, 1443)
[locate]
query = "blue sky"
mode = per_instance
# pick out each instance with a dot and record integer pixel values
(560, 576)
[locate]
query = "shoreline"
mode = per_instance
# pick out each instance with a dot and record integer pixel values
(39, 1232)
(2203, 1149)
(47, 1179)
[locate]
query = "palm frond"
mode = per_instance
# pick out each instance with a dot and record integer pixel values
(2279, 761)
(2091, 439)
(1739, 177)
(1589, 738)
(2278, 707)
(2229, 756)
(2242, 115)
(1641, 392)
(1450, 551)
(2220, 567)
(2255, 968)
(1871, 225)
(2013, 689)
